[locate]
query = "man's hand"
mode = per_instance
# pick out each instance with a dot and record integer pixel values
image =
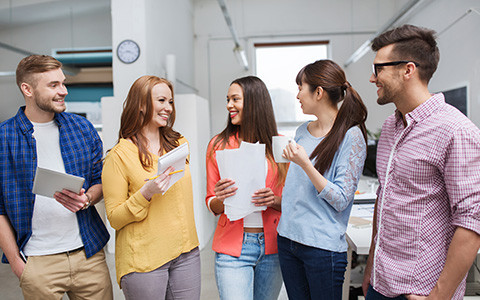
(367, 274)
(72, 201)
(17, 267)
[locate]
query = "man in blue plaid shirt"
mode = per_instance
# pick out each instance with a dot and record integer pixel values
(54, 245)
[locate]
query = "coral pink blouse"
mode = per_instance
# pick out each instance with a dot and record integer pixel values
(228, 238)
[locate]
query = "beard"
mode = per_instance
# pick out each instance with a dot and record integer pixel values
(48, 104)
(387, 95)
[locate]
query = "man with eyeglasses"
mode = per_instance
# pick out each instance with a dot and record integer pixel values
(426, 230)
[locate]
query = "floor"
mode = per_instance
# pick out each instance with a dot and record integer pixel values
(9, 289)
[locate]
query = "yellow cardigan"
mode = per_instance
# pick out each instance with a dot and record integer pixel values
(148, 233)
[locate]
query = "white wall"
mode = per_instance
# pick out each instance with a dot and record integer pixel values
(459, 47)
(159, 28)
(162, 27)
(64, 32)
(345, 23)
(192, 111)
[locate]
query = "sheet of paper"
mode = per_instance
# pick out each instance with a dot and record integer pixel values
(177, 159)
(364, 211)
(246, 166)
(47, 182)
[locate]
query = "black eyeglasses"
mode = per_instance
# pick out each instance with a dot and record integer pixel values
(392, 63)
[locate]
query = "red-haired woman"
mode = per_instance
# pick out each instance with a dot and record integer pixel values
(328, 159)
(156, 251)
(246, 261)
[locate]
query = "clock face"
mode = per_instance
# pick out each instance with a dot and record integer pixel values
(128, 51)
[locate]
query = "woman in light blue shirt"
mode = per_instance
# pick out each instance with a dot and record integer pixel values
(328, 159)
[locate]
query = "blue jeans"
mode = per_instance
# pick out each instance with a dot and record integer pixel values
(253, 275)
(374, 295)
(309, 272)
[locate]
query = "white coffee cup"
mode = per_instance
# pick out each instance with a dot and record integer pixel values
(278, 144)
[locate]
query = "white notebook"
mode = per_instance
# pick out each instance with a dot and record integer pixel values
(47, 182)
(177, 159)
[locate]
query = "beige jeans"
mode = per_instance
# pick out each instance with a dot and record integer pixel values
(51, 276)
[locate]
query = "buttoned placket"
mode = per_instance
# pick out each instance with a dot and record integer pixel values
(389, 170)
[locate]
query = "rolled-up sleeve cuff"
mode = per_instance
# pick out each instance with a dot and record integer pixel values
(470, 223)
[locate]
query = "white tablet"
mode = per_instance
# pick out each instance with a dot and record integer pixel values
(47, 182)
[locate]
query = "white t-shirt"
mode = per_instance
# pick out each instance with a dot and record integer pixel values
(54, 228)
(253, 220)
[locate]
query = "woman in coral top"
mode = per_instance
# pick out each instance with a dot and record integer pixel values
(156, 253)
(246, 261)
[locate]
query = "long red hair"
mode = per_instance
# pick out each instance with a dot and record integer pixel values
(138, 112)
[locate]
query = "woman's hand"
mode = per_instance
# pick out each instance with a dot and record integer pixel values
(157, 185)
(263, 197)
(297, 154)
(224, 189)
(266, 197)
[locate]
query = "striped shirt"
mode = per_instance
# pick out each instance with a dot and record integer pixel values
(82, 152)
(429, 174)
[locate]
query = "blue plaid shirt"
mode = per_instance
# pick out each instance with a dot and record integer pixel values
(81, 150)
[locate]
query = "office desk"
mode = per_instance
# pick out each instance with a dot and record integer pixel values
(359, 230)
(359, 236)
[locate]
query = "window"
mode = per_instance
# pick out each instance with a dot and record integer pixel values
(278, 64)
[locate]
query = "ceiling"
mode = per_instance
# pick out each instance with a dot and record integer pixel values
(15, 13)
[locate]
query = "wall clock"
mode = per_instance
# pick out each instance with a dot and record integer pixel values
(128, 51)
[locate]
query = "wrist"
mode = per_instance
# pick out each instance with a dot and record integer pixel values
(87, 203)
(145, 193)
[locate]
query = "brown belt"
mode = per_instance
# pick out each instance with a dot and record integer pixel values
(72, 251)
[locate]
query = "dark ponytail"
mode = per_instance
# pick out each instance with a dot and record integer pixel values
(328, 75)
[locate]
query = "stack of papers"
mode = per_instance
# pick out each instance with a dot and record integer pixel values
(176, 158)
(245, 166)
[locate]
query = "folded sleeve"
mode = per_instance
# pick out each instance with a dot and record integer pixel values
(462, 178)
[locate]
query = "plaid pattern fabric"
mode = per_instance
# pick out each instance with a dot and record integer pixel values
(429, 174)
(82, 152)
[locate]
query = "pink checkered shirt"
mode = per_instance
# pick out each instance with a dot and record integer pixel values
(429, 174)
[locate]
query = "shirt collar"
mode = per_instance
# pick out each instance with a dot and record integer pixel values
(422, 111)
(26, 126)
(23, 122)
